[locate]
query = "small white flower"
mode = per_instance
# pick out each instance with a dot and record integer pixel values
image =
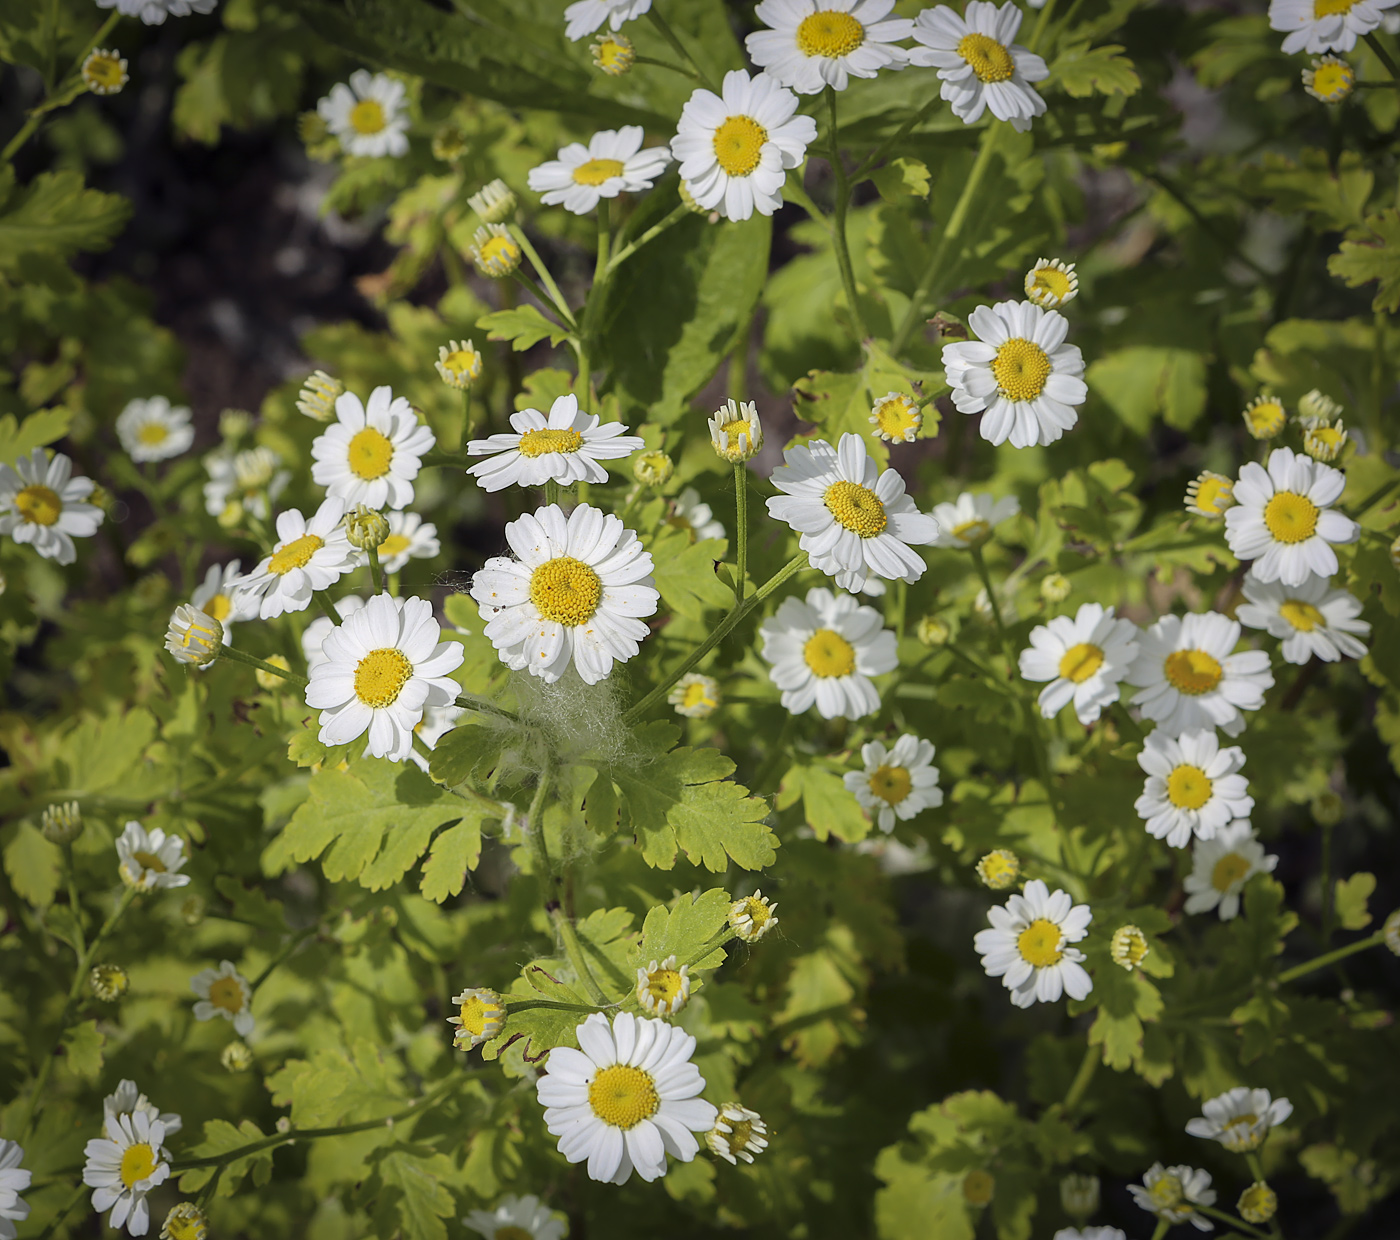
(517, 1218)
(1281, 519)
(897, 782)
(1193, 786)
(1221, 866)
(216, 596)
(1313, 619)
(1188, 678)
(1240, 1118)
(695, 695)
(150, 860)
(1084, 660)
(410, 538)
(224, 992)
(1325, 25)
(248, 480)
(824, 651)
(753, 916)
(371, 454)
(13, 1181)
(585, 16)
(1209, 495)
(370, 116)
(738, 1134)
(970, 520)
(308, 556)
(194, 637)
(41, 503)
(379, 669)
(480, 1016)
(612, 163)
(151, 429)
(566, 446)
(154, 12)
(123, 1167)
(578, 592)
(127, 1099)
(736, 432)
(1173, 1193)
(735, 148)
(1019, 373)
(663, 987)
(626, 1099)
(1027, 946)
(690, 512)
(811, 44)
(856, 523)
(979, 63)
(1051, 283)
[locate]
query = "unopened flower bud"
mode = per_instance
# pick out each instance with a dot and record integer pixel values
(999, 869)
(186, 1221)
(1327, 808)
(654, 469)
(1055, 587)
(493, 202)
(104, 72)
(1079, 1194)
(458, 364)
(318, 396)
(365, 528)
(62, 824)
(1209, 495)
(234, 424)
(978, 1186)
(933, 632)
(1317, 407)
(449, 143)
(108, 982)
(194, 636)
(494, 251)
(1329, 79)
(1391, 932)
(312, 129)
(1258, 1203)
(736, 432)
(192, 910)
(753, 917)
(236, 1057)
(1324, 441)
(1051, 283)
(1265, 416)
(270, 682)
(1128, 947)
(612, 54)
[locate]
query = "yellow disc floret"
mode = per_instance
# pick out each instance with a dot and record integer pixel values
(1039, 943)
(1188, 787)
(367, 116)
(295, 554)
(892, 784)
(1080, 662)
(370, 454)
(1290, 517)
(990, 60)
(857, 508)
(829, 654)
(380, 677)
(1302, 616)
(566, 591)
(38, 505)
(1192, 672)
(597, 171)
(138, 1161)
(1021, 368)
(544, 442)
(829, 34)
(622, 1096)
(739, 145)
(1229, 870)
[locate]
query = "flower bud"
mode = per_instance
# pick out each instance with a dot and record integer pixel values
(999, 869)
(695, 695)
(365, 528)
(493, 202)
(192, 910)
(933, 632)
(234, 424)
(449, 143)
(738, 1134)
(1055, 587)
(896, 418)
(108, 982)
(1324, 441)
(236, 1057)
(1329, 79)
(1327, 808)
(1391, 932)
(1209, 495)
(186, 1221)
(494, 251)
(978, 1186)
(193, 636)
(270, 682)
(1128, 947)
(1051, 283)
(480, 1016)
(1258, 1203)
(62, 824)
(458, 364)
(318, 395)
(752, 917)
(654, 469)
(736, 432)
(1079, 1194)
(1265, 416)
(612, 54)
(1317, 407)
(104, 72)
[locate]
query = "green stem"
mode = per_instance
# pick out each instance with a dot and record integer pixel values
(376, 570)
(466, 436)
(665, 31)
(1087, 1066)
(1383, 56)
(564, 926)
(600, 266)
(551, 491)
(981, 565)
(537, 262)
(626, 251)
(666, 64)
(328, 608)
(57, 1221)
(533, 288)
(1161, 1229)
(1341, 953)
(741, 535)
(1039, 32)
(723, 937)
(840, 204)
(879, 153)
(1237, 1223)
(448, 459)
(241, 656)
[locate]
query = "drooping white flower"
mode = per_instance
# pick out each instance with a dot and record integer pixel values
(1314, 619)
(566, 446)
(969, 521)
(824, 651)
(371, 453)
(690, 512)
(897, 782)
(217, 596)
(410, 538)
(224, 992)
(1028, 945)
(150, 860)
(123, 1167)
(1240, 1118)
(1326, 25)
(1019, 373)
(811, 44)
(379, 669)
(14, 1179)
(735, 148)
(308, 556)
(626, 1099)
(517, 1218)
(612, 163)
(369, 116)
(1084, 660)
(1282, 520)
(154, 12)
(42, 504)
(1189, 678)
(585, 16)
(856, 523)
(246, 481)
(979, 63)
(1173, 1193)
(1221, 866)
(1193, 786)
(127, 1099)
(577, 592)
(151, 429)
(194, 637)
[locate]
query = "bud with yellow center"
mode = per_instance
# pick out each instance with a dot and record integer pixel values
(736, 432)
(933, 632)
(458, 364)
(365, 528)
(108, 982)
(1390, 932)
(1258, 1203)
(612, 54)
(62, 824)
(654, 469)
(234, 424)
(449, 143)
(1128, 947)
(194, 636)
(192, 909)
(236, 1057)
(1079, 1194)
(318, 396)
(1324, 441)
(494, 251)
(186, 1221)
(270, 682)
(1329, 79)
(1055, 587)
(999, 869)
(493, 202)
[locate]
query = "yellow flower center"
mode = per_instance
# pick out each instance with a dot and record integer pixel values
(1128, 946)
(977, 1187)
(138, 1161)
(1039, 943)
(758, 913)
(974, 531)
(38, 505)
(218, 607)
(1265, 417)
(990, 60)
(1331, 8)
(381, 675)
(104, 71)
(733, 430)
(153, 433)
(1020, 367)
(478, 1014)
(1192, 671)
(295, 554)
(369, 454)
(1052, 283)
(1302, 616)
(1080, 662)
(829, 34)
(1333, 81)
(998, 868)
(501, 253)
(739, 145)
(1329, 438)
(149, 861)
(542, 443)
(856, 507)
(623, 1096)
(737, 1138)
(1240, 1134)
(1229, 870)
(395, 544)
(891, 784)
(1214, 494)
(665, 985)
(367, 116)
(597, 171)
(189, 1227)
(896, 418)
(1188, 787)
(698, 694)
(612, 56)
(829, 654)
(1166, 1193)
(463, 362)
(225, 993)
(566, 591)
(1291, 518)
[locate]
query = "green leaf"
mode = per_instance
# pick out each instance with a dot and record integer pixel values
(600, 806)
(454, 852)
(220, 1138)
(465, 756)
(337, 1086)
(417, 1193)
(43, 427)
(828, 806)
(1311, 184)
(1351, 899)
(251, 906)
(684, 572)
(1372, 252)
(57, 214)
(902, 177)
(1140, 382)
(524, 326)
(684, 929)
(82, 1050)
(1082, 72)
(34, 866)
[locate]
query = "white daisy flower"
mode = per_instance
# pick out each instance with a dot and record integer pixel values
(969, 521)
(517, 1218)
(1051, 283)
(244, 481)
(663, 987)
(1084, 660)
(566, 446)
(979, 64)
(154, 12)
(811, 44)
(380, 668)
(370, 116)
(735, 148)
(690, 512)
(626, 1099)
(127, 1099)
(1325, 25)
(123, 1167)
(1019, 373)
(224, 992)
(1313, 619)
(217, 597)
(151, 429)
(1188, 678)
(1221, 866)
(856, 523)
(1027, 946)
(13, 1180)
(739, 1133)
(585, 16)
(1173, 1193)
(1281, 519)
(1240, 1118)
(410, 538)
(898, 782)
(1193, 786)
(695, 695)
(371, 454)
(313, 638)
(308, 556)
(150, 860)
(824, 651)
(612, 163)
(41, 503)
